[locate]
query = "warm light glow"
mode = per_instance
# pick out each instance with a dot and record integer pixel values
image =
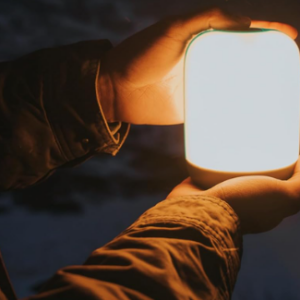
(242, 92)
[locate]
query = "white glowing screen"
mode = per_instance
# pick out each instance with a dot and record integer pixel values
(242, 92)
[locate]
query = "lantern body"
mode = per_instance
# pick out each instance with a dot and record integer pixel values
(242, 93)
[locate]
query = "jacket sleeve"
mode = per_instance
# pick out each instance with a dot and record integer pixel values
(50, 113)
(183, 248)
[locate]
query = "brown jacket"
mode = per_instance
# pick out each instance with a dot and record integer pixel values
(51, 117)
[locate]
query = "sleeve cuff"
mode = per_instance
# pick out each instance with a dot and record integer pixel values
(211, 217)
(72, 104)
(116, 132)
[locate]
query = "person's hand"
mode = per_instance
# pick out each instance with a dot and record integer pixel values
(260, 202)
(141, 79)
(285, 28)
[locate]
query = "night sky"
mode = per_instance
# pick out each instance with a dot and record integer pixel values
(61, 221)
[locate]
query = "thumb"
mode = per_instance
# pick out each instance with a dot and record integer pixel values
(285, 28)
(215, 18)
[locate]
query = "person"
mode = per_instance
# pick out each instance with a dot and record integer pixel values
(60, 106)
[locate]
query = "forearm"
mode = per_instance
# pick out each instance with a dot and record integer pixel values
(51, 113)
(183, 248)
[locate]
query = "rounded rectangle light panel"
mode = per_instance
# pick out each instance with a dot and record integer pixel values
(242, 94)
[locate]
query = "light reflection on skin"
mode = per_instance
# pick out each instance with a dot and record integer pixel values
(174, 79)
(285, 28)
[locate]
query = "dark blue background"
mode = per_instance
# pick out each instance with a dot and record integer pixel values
(59, 222)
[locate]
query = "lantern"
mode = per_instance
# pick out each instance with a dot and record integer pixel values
(242, 93)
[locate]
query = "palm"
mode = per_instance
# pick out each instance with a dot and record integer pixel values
(159, 102)
(261, 202)
(149, 81)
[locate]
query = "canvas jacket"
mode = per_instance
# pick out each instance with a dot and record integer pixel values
(51, 117)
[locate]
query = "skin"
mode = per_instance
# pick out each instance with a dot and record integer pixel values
(261, 202)
(141, 81)
(142, 78)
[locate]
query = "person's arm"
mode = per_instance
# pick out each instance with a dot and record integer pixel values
(60, 106)
(188, 246)
(55, 104)
(51, 113)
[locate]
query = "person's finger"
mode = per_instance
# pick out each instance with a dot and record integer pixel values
(296, 173)
(187, 181)
(285, 28)
(293, 185)
(214, 18)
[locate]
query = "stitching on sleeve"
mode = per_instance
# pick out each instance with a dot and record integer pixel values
(200, 225)
(221, 203)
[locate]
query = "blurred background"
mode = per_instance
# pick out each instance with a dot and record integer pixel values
(61, 221)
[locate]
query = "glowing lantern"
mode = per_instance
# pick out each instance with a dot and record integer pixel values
(242, 93)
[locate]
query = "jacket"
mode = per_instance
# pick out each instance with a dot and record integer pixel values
(51, 117)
